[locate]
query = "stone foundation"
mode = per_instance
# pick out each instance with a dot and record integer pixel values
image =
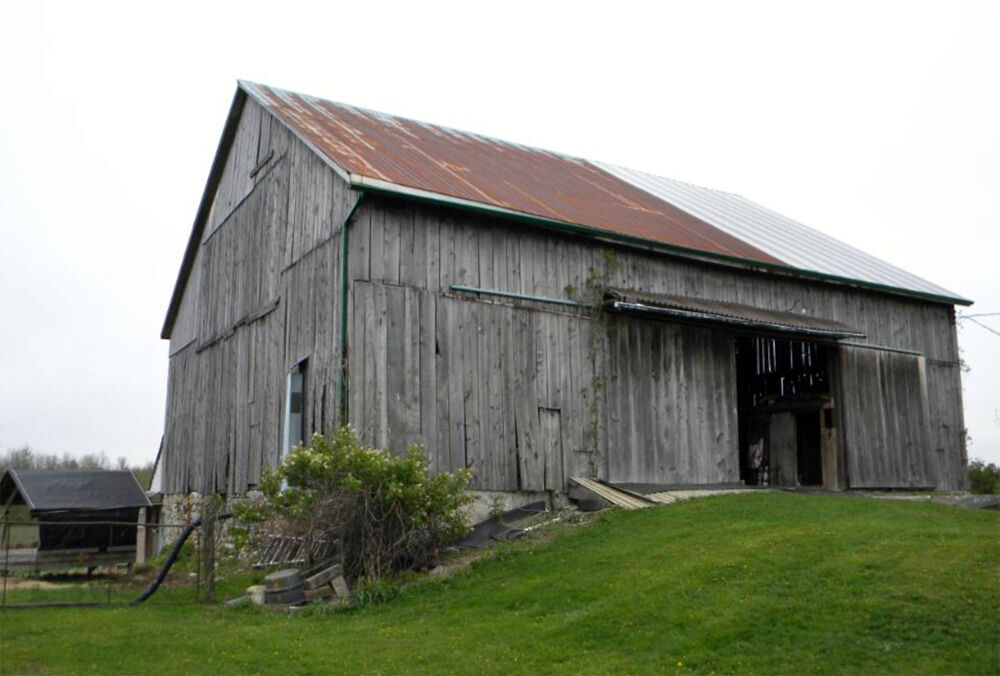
(485, 502)
(182, 509)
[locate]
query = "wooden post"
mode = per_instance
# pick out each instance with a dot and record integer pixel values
(208, 517)
(140, 538)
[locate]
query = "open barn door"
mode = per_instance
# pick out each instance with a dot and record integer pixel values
(782, 374)
(885, 414)
(786, 403)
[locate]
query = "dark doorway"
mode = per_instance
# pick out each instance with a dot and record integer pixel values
(784, 401)
(807, 447)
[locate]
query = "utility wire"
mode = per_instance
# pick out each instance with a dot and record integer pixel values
(975, 321)
(981, 314)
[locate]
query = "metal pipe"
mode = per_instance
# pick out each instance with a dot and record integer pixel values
(344, 281)
(174, 553)
(882, 348)
(520, 296)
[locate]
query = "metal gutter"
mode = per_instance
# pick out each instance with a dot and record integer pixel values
(519, 296)
(731, 321)
(380, 186)
(882, 348)
(344, 282)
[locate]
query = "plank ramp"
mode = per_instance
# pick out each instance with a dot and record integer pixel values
(616, 496)
(670, 497)
(627, 499)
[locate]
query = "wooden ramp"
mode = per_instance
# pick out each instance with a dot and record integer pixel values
(616, 496)
(627, 499)
(670, 497)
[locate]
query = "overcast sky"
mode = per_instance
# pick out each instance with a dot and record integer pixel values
(874, 122)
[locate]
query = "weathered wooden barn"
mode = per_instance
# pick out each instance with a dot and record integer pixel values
(535, 317)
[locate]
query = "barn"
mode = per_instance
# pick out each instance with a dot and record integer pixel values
(536, 317)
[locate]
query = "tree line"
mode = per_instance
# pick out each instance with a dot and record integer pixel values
(25, 457)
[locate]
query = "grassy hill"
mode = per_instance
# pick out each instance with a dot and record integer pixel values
(762, 583)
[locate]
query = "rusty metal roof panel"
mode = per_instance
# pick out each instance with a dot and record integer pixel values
(376, 150)
(734, 314)
(464, 166)
(798, 245)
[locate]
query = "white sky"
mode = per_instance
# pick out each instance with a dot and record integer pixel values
(876, 122)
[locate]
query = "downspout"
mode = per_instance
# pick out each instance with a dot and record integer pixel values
(344, 280)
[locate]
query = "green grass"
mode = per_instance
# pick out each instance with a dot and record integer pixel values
(759, 583)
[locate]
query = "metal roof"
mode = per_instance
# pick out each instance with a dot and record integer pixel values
(51, 490)
(383, 153)
(477, 169)
(366, 144)
(732, 314)
(797, 245)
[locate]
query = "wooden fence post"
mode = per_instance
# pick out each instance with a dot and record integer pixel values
(209, 508)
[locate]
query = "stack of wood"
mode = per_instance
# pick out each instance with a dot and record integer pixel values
(328, 583)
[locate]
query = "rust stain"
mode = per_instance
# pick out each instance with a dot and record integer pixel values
(492, 172)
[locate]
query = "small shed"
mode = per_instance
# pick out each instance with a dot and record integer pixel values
(68, 518)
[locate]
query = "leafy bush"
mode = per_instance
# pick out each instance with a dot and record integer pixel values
(984, 478)
(387, 512)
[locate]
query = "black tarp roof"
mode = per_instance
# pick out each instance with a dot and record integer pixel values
(45, 490)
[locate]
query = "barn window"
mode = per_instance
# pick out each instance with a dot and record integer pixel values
(294, 407)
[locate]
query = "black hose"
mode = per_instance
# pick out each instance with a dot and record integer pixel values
(174, 553)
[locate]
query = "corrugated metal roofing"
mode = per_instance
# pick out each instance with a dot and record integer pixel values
(788, 240)
(483, 170)
(429, 158)
(729, 313)
(375, 151)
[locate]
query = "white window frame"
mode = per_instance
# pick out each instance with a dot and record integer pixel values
(294, 408)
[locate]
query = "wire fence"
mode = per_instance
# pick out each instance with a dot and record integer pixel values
(53, 561)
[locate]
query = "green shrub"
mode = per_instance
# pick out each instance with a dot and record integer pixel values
(387, 511)
(983, 478)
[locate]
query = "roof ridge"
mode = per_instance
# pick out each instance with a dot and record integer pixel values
(601, 163)
(382, 114)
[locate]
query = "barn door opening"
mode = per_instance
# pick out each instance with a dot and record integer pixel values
(787, 431)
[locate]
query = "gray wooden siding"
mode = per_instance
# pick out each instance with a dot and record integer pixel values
(470, 381)
(263, 295)
(886, 419)
(439, 248)
(525, 393)
(671, 404)
(507, 391)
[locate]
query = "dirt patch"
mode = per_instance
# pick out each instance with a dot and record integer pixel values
(538, 530)
(15, 583)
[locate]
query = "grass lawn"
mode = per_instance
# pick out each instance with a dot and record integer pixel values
(763, 583)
